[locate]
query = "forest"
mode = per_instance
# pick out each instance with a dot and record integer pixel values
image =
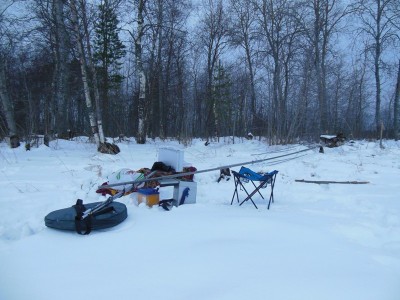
(283, 70)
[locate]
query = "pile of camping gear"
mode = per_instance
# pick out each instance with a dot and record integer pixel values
(83, 218)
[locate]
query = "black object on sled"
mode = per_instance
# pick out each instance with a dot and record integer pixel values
(99, 215)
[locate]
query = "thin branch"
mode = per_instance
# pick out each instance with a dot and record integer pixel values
(329, 181)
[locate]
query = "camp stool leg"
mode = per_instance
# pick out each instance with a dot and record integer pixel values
(258, 190)
(237, 181)
(249, 196)
(271, 197)
(237, 178)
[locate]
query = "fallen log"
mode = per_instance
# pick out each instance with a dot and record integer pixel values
(329, 181)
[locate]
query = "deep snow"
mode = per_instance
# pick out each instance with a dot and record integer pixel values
(327, 241)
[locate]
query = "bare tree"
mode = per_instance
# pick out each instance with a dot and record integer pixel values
(213, 33)
(46, 12)
(243, 33)
(155, 15)
(396, 116)
(378, 17)
(6, 29)
(61, 67)
(395, 10)
(280, 29)
(160, 90)
(5, 98)
(326, 17)
(85, 78)
(174, 103)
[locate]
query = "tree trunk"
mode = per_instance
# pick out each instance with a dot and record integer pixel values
(396, 107)
(92, 68)
(377, 58)
(330, 181)
(61, 70)
(141, 131)
(319, 66)
(378, 88)
(160, 72)
(5, 99)
(245, 15)
(82, 60)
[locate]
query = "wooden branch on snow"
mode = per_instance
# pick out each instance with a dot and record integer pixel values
(329, 181)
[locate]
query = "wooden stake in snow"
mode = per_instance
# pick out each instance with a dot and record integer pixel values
(329, 181)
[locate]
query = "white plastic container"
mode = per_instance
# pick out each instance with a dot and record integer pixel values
(172, 157)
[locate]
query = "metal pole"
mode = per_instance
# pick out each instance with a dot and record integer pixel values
(203, 171)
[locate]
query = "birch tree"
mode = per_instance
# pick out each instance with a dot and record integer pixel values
(92, 68)
(140, 30)
(85, 78)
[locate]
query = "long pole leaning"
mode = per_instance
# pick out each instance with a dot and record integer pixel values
(203, 171)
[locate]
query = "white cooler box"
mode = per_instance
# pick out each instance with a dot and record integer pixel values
(185, 193)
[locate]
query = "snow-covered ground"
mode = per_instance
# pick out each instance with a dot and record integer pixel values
(318, 241)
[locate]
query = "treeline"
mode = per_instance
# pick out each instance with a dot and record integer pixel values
(281, 69)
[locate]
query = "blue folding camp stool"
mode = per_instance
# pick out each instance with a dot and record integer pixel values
(246, 175)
